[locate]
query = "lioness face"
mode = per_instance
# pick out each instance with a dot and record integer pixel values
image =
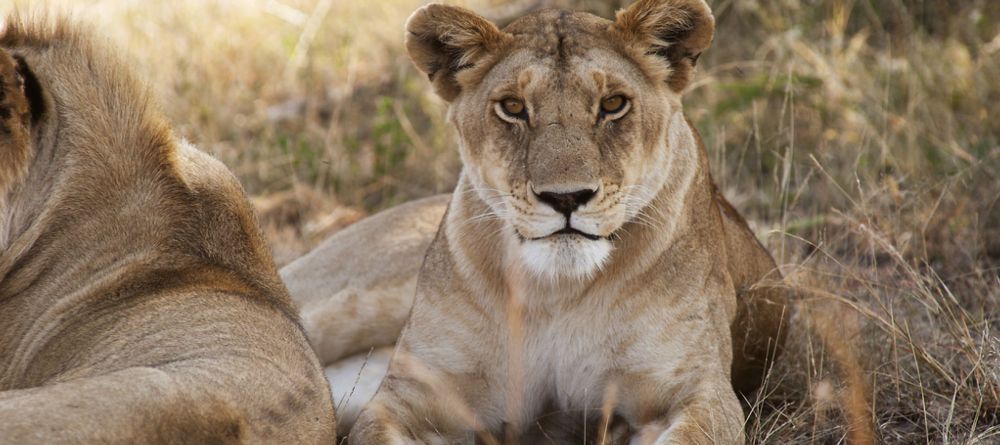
(565, 145)
(564, 122)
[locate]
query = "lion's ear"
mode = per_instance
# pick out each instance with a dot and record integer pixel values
(445, 40)
(675, 30)
(18, 107)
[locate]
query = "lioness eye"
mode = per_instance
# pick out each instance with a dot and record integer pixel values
(613, 104)
(513, 107)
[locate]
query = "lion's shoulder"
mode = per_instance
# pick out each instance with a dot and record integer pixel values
(108, 171)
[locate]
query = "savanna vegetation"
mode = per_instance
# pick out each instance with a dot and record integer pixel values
(861, 138)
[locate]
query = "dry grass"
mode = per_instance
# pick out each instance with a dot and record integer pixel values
(861, 138)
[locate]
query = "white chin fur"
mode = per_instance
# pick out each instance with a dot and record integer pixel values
(565, 256)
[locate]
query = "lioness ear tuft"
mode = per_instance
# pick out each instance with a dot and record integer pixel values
(444, 40)
(16, 84)
(675, 30)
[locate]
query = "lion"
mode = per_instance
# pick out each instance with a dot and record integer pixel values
(138, 301)
(587, 282)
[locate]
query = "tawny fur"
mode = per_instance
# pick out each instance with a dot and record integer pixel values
(650, 339)
(354, 292)
(138, 300)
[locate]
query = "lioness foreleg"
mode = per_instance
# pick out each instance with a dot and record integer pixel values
(711, 415)
(407, 411)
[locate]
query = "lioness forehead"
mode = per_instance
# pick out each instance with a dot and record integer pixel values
(559, 35)
(573, 52)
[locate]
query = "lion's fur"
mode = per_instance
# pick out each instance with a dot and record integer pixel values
(669, 319)
(138, 300)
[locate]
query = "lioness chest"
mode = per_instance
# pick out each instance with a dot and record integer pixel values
(560, 358)
(566, 362)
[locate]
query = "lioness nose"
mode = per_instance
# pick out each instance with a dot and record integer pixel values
(566, 203)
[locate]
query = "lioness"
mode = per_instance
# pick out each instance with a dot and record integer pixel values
(138, 301)
(587, 282)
